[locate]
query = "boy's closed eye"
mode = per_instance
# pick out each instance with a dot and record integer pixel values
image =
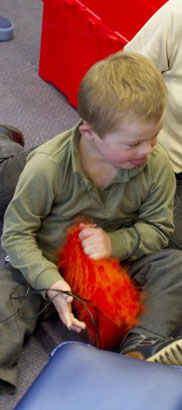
(137, 143)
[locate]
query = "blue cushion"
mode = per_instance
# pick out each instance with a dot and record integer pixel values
(81, 377)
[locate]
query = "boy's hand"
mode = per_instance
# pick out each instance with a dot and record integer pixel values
(62, 303)
(95, 241)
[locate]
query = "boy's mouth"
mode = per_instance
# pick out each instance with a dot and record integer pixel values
(139, 161)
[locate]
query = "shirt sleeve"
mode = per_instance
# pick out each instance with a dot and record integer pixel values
(154, 222)
(160, 36)
(31, 203)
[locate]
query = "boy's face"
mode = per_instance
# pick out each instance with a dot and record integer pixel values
(130, 145)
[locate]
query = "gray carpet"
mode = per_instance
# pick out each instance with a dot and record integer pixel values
(40, 111)
(27, 102)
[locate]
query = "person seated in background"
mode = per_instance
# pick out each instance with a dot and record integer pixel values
(109, 167)
(161, 41)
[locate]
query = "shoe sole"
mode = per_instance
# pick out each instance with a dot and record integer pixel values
(14, 133)
(170, 355)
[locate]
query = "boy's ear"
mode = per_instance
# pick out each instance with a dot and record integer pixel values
(86, 131)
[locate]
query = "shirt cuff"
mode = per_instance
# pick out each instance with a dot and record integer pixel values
(46, 279)
(124, 242)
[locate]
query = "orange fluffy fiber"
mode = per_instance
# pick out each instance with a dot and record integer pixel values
(107, 286)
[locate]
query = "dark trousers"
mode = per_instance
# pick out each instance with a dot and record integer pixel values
(159, 274)
(15, 327)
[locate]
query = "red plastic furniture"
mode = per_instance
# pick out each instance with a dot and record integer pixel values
(75, 35)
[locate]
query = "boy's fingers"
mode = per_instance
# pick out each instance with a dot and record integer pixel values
(96, 256)
(82, 225)
(78, 326)
(71, 322)
(91, 241)
(76, 329)
(66, 315)
(69, 299)
(88, 249)
(78, 323)
(63, 296)
(85, 233)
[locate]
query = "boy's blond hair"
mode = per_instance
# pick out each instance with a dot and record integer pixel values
(124, 86)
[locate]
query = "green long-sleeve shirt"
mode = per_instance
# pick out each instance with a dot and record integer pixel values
(136, 208)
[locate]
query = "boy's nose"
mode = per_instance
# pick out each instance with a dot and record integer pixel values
(146, 148)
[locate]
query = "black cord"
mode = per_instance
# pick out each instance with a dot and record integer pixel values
(30, 292)
(19, 309)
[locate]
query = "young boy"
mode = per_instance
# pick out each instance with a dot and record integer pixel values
(108, 168)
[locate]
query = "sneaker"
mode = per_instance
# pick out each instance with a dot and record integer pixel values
(6, 388)
(167, 351)
(13, 133)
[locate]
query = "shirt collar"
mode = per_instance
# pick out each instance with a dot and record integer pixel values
(76, 159)
(125, 174)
